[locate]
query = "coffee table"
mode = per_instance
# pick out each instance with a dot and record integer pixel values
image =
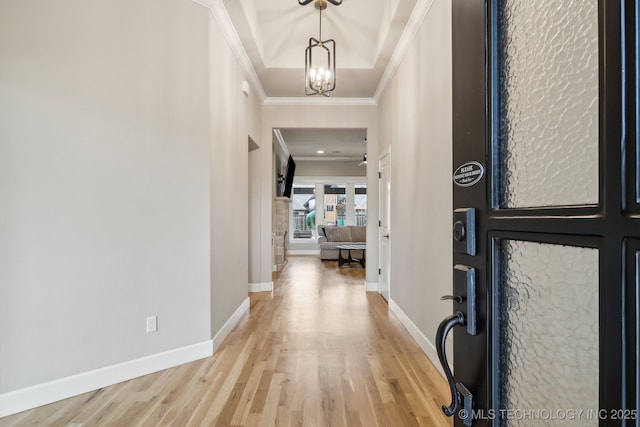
(349, 259)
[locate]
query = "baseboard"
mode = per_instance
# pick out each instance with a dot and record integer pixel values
(63, 388)
(304, 252)
(230, 324)
(425, 344)
(261, 287)
(371, 286)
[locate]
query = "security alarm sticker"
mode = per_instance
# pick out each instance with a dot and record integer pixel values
(468, 174)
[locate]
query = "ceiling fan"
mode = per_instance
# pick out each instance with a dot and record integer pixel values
(364, 156)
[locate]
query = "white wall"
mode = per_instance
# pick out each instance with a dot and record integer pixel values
(104, 184)
(124, 192)
(255, 175)
(415, 119)
(253, 220)
(233, 115)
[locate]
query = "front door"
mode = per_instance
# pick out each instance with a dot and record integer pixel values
(546, 221)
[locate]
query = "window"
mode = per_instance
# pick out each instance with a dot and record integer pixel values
(303, 203)
(361, 204)
(335, 205)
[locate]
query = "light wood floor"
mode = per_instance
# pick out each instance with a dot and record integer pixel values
(319, 351)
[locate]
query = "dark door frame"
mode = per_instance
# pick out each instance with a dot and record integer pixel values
(613, 226)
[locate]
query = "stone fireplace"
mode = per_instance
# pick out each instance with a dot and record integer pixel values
(281, 227)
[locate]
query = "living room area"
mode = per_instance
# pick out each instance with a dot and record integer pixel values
(331, 214)
(326, 202)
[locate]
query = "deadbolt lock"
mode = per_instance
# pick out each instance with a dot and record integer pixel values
(464, 231)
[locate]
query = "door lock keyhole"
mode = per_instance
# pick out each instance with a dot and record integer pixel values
(459, 231)
(464, 231)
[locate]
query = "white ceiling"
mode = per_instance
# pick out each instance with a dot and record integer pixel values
(275, 33)
(337, 144)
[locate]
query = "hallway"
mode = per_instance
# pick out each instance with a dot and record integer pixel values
(319, 351)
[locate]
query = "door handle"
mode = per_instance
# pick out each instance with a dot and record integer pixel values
(386, 235)
(441, 337)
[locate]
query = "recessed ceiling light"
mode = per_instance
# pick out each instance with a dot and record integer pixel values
(320, 151)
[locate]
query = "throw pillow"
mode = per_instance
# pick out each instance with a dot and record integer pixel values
(338, 234)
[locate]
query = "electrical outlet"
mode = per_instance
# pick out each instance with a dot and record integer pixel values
(152, 324)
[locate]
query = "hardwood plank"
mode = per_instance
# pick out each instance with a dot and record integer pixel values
(318, 351)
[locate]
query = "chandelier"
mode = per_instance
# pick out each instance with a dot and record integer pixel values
(306, 2)
(320, 69)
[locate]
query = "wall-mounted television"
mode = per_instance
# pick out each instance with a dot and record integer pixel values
(288, 179)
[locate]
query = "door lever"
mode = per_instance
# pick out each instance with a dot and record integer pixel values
(456, 298)
(441, 337)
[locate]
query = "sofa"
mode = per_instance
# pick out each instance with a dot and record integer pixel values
(329, 237)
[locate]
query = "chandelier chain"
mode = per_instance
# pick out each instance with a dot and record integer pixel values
(320, 36)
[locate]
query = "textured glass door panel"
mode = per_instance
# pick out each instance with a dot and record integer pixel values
(547, 331)
(548, 103)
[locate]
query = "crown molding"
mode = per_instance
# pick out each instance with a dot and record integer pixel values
(420, 12)
(334, 102)
(221, 15)
(283, 145)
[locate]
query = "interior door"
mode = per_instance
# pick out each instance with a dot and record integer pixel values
(546, 214)
(384, 229)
